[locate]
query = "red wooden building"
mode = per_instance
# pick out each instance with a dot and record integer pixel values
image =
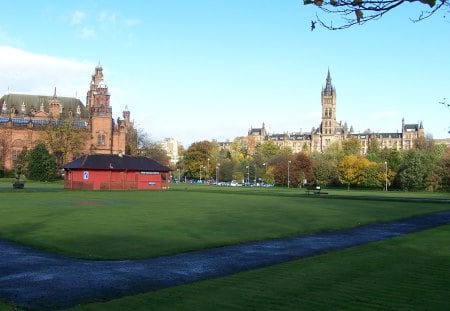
(115, 172)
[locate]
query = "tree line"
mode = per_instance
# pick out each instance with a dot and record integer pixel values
(425, 167)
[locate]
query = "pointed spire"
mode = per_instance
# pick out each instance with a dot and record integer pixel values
(329, 89)
(54, 93)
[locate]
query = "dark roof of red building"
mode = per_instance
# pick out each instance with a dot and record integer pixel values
(116, 163)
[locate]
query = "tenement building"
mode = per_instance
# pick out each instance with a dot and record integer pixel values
(331, 131)
(24, 119)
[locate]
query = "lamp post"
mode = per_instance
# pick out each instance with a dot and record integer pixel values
(386, 170)
(217, 173)
(248, 173)
(178, 170)
(289, 164)
(207, 171)
(255, 176)
(200, 174)
(265, 171)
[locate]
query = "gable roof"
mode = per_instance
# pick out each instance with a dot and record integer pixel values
(116, 163)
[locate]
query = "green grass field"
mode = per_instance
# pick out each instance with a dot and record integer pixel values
(405, 273)
(140, 224)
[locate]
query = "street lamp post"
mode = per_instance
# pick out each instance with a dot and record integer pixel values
(255, 175)
(248, 173)
(265, 171)
(207, 171)
(386, 169)
(178, 170)
(217, 173)
(200, 173)
(289, 164)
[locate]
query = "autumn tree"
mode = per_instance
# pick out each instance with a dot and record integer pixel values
(131, 140)
(4, 149)
(301, 168)
(262, 158)
(155, 151)
(238, 150)
(354, 170)
(278, 166)
(196, 163)
(356, 12)
(64, 139)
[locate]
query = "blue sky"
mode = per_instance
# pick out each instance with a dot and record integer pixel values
(211, 69)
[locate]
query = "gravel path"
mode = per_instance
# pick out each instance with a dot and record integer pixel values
(40, 280)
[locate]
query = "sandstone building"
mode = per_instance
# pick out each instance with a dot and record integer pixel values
(330, 131)
(23, 119)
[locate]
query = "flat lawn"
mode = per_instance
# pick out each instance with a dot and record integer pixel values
(405, 273)
(141, 224)
(6, 184)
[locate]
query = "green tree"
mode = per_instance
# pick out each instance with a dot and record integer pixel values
(393, 157)
(41, 165)
(351, 146)
(266, 151)
(413, 171)
(445, 168)
(374, 150)
(324, 169)
(22, 161)
(355, 12)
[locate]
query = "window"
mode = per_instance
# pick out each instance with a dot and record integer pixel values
(101, 139)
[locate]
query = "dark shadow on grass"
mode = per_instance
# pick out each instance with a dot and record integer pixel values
(301, 194)
(37, 279)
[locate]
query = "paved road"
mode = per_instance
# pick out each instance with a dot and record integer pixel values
(40, 280)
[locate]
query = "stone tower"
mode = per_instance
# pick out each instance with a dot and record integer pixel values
(97, 102)
(328, 108)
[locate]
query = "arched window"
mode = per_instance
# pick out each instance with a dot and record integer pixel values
(101, 139)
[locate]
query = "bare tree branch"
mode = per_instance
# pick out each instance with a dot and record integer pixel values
(357, 12)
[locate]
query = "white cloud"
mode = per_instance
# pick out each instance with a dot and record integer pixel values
(131, 22)
(77, 18)
(29, 73)
(87, 33)
(106, 18)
